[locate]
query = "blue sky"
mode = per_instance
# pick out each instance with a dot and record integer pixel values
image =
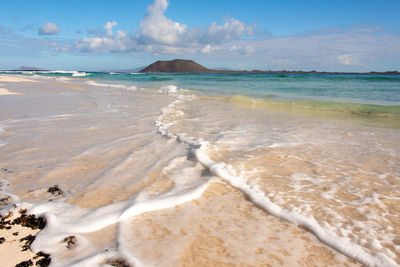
(98, 35)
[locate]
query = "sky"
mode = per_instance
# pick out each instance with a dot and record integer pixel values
(351, 35)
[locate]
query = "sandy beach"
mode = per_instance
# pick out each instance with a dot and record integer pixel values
(58, 136)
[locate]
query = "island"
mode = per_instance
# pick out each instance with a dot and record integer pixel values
(190, 66)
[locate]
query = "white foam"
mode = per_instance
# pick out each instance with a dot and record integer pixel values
(5, 194)
(170, 89)
(79, 74)
(110, 85)
(59, 71)
(63, 219)
(286, 144)
(73, 73)
(2, 130)
(261, 199)
(258, 197)
(162, 127)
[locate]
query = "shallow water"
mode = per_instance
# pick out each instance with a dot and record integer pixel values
(344, 177)
(159, 176)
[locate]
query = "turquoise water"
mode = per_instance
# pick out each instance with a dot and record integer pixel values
(364, 89)
(345, 88)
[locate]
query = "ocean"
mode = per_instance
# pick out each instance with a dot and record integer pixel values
(207, 169)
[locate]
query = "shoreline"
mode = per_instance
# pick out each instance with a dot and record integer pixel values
(207, 72)
(219, 193)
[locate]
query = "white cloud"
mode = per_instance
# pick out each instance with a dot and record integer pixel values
(156, 27)
(108, 27)
(49, 28)
(163, 35)
(159, 34)
(232, 29)
(109, 42)
(325, 49)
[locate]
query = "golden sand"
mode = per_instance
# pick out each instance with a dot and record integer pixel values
(222, 228)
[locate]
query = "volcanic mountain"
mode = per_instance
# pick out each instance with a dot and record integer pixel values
(176, 66)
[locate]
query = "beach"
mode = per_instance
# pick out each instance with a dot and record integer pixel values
(178, 170)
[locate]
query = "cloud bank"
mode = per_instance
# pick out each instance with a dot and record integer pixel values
(160, 35)
(49, 28)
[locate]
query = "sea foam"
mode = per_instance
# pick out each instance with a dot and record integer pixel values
(73, 73)
(64, 220)
(261, 199)
(110, 85)
(169, 89)
(2, 130)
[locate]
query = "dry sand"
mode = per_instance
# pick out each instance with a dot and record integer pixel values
(17, 232)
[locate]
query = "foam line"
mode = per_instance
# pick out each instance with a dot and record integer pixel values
(107, 215)
(63, 219)
(59, 227)
(259, 198)
(111, 85)
(167, 200)
(2, 130)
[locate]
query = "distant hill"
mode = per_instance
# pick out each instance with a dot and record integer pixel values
(189, 66)
(24, 68)
(177, 66)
